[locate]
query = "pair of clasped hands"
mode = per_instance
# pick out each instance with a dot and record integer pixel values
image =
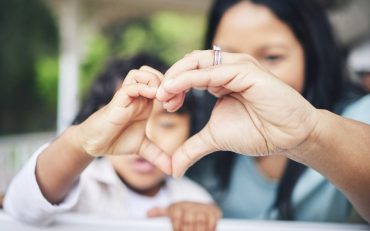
(256, 113)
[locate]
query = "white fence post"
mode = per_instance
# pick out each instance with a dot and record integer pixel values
(68, 63)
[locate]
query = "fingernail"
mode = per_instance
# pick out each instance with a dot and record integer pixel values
(160, 93)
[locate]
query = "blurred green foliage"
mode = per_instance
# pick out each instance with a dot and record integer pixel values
(94, 61)
(27, 34)
(168, 35)
(29, 57)
(47, 70)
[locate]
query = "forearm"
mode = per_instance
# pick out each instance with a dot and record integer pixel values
(60, 165)
(340, 150)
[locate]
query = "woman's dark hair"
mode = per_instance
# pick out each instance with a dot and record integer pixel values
(324, 78)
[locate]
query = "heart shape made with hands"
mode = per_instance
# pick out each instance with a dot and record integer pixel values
(256, 113)
(225, 130)
(121, 126)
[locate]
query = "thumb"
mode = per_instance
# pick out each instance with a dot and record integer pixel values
(155, 155)
(157, 212)
(196, 147)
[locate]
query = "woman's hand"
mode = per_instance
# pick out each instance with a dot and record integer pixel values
(190, 216)
(120, 127)
(256, 113)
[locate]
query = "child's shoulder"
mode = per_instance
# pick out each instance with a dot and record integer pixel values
(100, 171)
(185, 189)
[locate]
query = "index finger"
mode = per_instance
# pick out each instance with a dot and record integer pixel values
(203, 59)
(141, 76)
(152, 70)
(193, 61)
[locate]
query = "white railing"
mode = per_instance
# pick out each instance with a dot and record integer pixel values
(15, 150)
(77, 222)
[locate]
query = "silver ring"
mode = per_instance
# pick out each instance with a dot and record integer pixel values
(217, 56)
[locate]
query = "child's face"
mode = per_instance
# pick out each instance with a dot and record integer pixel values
(168, 131)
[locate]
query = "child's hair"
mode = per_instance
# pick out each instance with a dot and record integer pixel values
(106, 84)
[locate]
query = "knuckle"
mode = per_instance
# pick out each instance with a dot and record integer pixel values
(132, 72)
(143, 67)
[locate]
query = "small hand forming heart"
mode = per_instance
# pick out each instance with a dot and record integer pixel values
(120, 127)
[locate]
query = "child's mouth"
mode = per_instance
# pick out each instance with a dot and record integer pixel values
(142, 166)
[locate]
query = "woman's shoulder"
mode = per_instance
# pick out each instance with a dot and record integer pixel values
(313, 189)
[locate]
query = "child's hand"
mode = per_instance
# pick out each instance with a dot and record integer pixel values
(189, 216)
(119, 127)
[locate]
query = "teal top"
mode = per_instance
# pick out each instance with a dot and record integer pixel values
(250, 194)
(359, 110)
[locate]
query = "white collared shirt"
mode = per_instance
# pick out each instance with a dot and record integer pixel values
(99, 191)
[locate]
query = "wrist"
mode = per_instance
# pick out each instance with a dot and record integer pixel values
(74, 139)
(304, 152)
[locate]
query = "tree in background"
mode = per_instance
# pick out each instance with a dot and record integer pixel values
(27, 35)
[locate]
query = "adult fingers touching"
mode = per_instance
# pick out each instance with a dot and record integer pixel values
(195, 61)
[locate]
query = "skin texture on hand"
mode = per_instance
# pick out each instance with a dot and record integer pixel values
(252, 101)
(190, 216)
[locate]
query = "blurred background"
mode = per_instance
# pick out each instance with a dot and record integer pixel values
(50, 51)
